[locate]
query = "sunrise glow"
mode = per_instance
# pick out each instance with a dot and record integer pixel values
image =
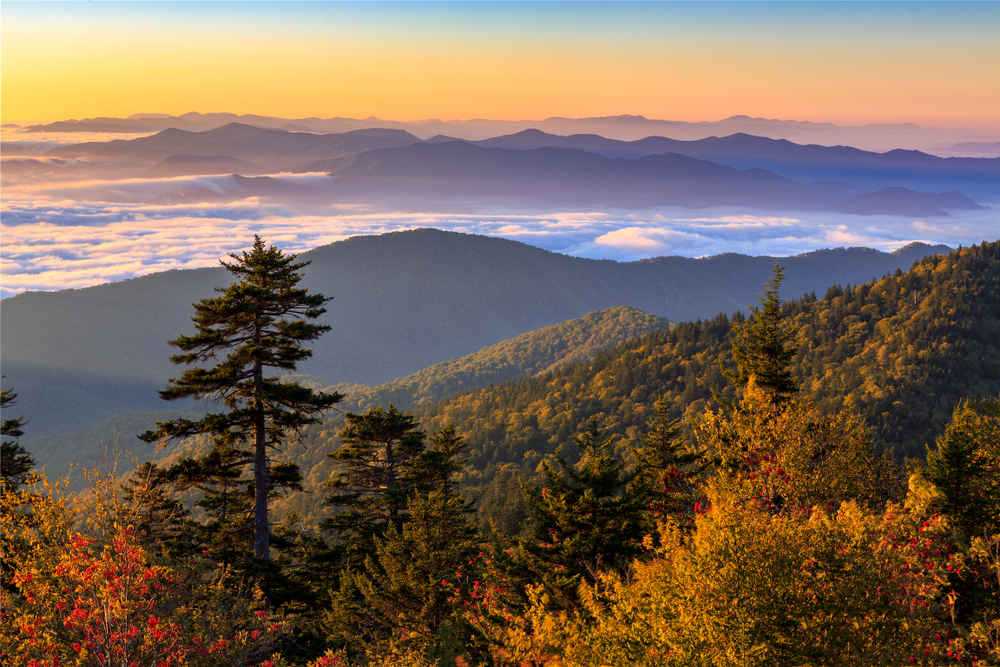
(837, 62)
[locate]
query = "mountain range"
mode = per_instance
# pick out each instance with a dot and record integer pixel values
(533, 169)
(877, 137)
(402, 302)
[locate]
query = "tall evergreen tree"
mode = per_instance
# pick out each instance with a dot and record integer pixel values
(761, 347)
(16, 464)
(380, 451)
(667, 472)
(965, 466)
(262, 322)
(585, 520)
(438, 463)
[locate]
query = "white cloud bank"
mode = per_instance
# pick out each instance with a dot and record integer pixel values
(49, 243)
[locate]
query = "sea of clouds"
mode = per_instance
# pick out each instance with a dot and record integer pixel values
(59, 236)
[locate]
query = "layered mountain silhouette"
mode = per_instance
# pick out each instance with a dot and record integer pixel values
(901, 168)
(879, 136)
(402, 302)
(573, 177)
(533, 168)
(276, 149)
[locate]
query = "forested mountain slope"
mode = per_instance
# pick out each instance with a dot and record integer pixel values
(526, 355)
(402, 302)
(900, 351)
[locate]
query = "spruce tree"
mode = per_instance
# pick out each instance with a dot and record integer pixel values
(261, 322)
(16, 464)
(965, 467)
(760, 347)
(379, 454)
(666, 471)
(584, 518)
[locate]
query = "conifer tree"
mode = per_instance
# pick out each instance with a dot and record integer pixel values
(438, 463)
(261, 322)
(411, 588)
(584, 518)
(379, 454)
(16, 463)
(760, 347)
(666, 470)
(965, 466)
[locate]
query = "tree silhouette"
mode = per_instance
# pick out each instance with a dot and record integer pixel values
(250, 321)
(759, 347)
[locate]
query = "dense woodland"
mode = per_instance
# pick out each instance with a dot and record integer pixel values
(814, 482)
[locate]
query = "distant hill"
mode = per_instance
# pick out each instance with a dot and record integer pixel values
(805, 163)
(900, 352)
(880, 137)
(179, 165)
(536, 168)
(560, 177)
(273, 148)
(525, 355)
(402, 302)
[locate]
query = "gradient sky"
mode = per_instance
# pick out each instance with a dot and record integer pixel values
(923, 62)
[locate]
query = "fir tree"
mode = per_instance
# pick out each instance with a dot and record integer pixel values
(438, 463)
(15, 462)
(412, 587)
(667, 471)
(379, 454)
(584, 519)
(965, 466)
(760, 347)
(263, 320)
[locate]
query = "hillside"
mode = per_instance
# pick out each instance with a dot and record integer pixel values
(801, 162)
(402, 302)
(528, 354)
(558, 177)
(901, 352)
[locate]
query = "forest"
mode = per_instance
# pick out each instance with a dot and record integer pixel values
(813, 482)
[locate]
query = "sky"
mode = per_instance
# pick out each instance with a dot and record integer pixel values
(843, 62)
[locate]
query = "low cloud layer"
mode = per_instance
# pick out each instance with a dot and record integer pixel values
(53, 243)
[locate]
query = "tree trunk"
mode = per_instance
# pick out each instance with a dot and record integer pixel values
(261, 525)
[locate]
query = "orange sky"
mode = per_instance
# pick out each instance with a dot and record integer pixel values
(929, 63)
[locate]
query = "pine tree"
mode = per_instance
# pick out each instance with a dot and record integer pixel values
(438, 463)
(263, 320)
(759, 347)
(584, 519)
(667, 472)
(379, 454)
(965, 466)
(411, 588)
(15, 462)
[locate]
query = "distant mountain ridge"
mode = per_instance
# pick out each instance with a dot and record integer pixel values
(878, 136)
(559, 177)
(528, 354)
(402, 302)
(901, 168)
(536, 169)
